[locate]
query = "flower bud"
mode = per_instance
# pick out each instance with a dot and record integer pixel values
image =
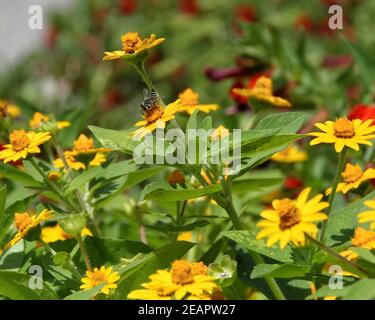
(74, 224)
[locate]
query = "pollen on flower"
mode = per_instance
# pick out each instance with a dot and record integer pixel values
(288, 213)
(22, 220)
(182, 272)
(199, 269)
(19, 140)
(343, 128)
(131, 41)
(154, 114)
(352, 173)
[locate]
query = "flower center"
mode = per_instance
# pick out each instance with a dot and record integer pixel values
(343, 128)
(288, 213)
(363, 237)
(22, 221)
(154, 114)
(182, 272)
(83, 143)
(131, 42)
(189, 97)
(98, 277)
(199, 269)
(19, 140)
(352, 173)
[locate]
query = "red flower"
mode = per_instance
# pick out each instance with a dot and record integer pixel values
(363, 112)
(51, 36)
(304, 21)
(236, 97)
(243, 13)
(293, 183)
(189, 7)
(127, 6)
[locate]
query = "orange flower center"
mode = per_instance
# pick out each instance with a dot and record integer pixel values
(343, 128)
(22, 221)
(352, 173)
(131, 42)
(189, 97)
(199, 269)
(154, 114)
(98, 277)
(176, 177)
(83, 143)
(288, 213)
(362, 238)
(182, 272)
(19, 140)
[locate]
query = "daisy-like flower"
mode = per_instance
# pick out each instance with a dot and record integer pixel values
(190, 101)
(132, 45)
(184, 280)
(98, 276)
(368, 216)
(353, 176)
(289, 220)
(262, 91)
(71, 160)
(156, 117)
(9, 109)
(344, 133)
(362, 239)
(25, 223)
(22, 143)
(220, 132)
(56, 233)
(85, 145)
(290, 154)
(38, 119)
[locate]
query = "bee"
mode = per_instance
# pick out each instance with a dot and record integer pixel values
(151, 99)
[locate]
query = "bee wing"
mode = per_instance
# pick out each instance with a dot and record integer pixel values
(146, 93)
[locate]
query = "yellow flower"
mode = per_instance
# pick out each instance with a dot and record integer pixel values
(362, 239)
(220, 132)
(56, 233)
(132, 44)
(190, 101)
(368, 216)
(25, 222)
(289, 220)
(353, 176)
(184, 280)
(344, 132)
(22, 143)
(72, 162)
(9, 109)
(262, 91)
(38, 118)
(84, 145)
(98, 276)
(156, 117)
(54, 175)
(185, 236)
(289, 155)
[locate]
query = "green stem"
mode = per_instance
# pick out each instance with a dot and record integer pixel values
(340, 166)
(140, 67)
(337, 256)
(84, 252)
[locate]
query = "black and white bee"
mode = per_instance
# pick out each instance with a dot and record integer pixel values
(151, 99)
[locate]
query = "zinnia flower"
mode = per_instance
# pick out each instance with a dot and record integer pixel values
(133, 44)
(9, 109)
(289, 155)
(289, 220)
(190, 101)
(362, 239)
(344, 132)
(368, 216)
(98, 276)
(25, 223)
(184, 280)
(22, 143)
(362, 112)
(38, 118)
(353, 176)
(262, 91)
(156, 117)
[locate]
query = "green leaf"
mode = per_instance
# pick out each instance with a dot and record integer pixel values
(279, 271)
(141, 175)
(192, 122)
(246, 239)
(101, 173)
(3, 195)
(12, 289)
(15, 174)
(102, 251)
(364, 254)
(134, 274)
(115, 140)
(12, 258)
(86, 294)
(163, 191)
(224, 271)
(289, 122)
(342, 222)
(258, 180)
